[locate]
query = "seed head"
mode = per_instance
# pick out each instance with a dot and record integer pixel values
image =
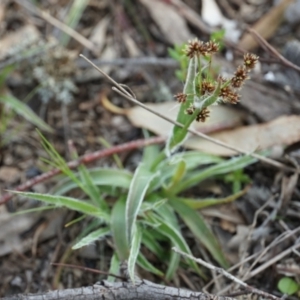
(181, 97)
(250, 61)
(240, 76)
(207, 87)
(203, 115)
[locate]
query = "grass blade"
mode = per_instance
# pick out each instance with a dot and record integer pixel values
(137, 191)
(92, 237)
(68, 202)
(134, 252)
(99, 177)
(23, 110)
(192, 160)
(198, 227)
(118, 229)
(177, 240)
(146, 265)
(91, 189)
(114, 267)
(202, 203)
(221, 168)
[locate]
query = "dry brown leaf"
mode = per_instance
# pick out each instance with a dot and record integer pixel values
(221, 117)
(18, 40)
(109, 53)
(281, 131)
(168, 19)
(131, 45)
(98, 35)
(266, 25)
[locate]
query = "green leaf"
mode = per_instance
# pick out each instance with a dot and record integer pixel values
(288, 286)
(150, 153)
(221, 168)
(68, 202)
(118, 229)
(177, 240)
(73, 17)
(168, 214)
(146, 265)
(198, 227)
(114, 267)
(90, 188)
(202, 203)
(178, 174)
(192, 160)
(23, 110)
(92, 237)
(149, 240)
(99, 177)
(173, 265)
(137, 191)
(134, 252)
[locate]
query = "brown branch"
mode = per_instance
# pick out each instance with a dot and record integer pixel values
(58, 24)
(272, 50)
(90, 157)
(105, 290)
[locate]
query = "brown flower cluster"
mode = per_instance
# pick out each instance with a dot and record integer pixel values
(229, 88)
(229, 92)
(229, 95)
(250, 61)
(203, 115)
(197, 48)
(180, 97)
(207, 87)
(190, 110)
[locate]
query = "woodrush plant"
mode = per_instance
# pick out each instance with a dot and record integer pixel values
(149, 203)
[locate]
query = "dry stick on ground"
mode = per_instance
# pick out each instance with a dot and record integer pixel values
(123, 92)
(88, 158)
(228, 275)
(105, 290)
(274, 243)
(58, 24)
(272, 50)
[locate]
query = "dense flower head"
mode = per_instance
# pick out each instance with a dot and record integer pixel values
(250, 61)
(197, 48)
(203, 115)
(207, 87)
(181, 97)
(240, 75)
(203, 89)
(228, 95)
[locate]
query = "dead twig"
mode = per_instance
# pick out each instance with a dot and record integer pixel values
(228, 275)
(88, 158)
(58, 24)
(285, 235)
(272, 50)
